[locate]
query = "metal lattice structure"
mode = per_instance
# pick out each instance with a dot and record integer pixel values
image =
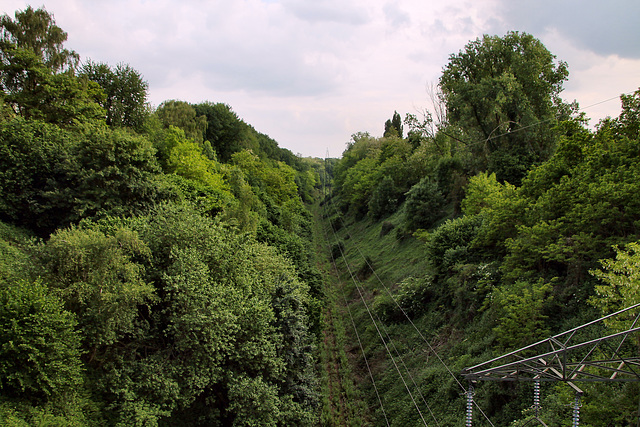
(570, 357)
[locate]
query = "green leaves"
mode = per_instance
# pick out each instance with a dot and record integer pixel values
(621, 283)
(99, 281)
(50, 177)
(39, 347)
(37, 74)
(521, 311)
(125, 93)
(500, 91)
(425, 203)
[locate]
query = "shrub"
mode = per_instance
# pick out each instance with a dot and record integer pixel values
(424, 205)
(366, 270)
(387, 227)
(448, 244)
(337, 250)
(411, 297)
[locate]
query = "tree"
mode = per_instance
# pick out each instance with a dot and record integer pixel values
(184, 116)
(100, 281)
(39, 347)
(393, 126)
(125, 93)
(621, 287)
(37, 73)
(628, 123)
(52, 177)
(224, 129)
(503, 92)
(384, 200)
(35, 30)
(425, 205)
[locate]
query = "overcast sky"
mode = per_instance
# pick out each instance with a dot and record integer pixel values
(310, 73)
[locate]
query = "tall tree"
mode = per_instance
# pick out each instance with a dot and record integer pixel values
(125, 93)
(393, 126)
(225, 129)
(37, 75)
(36, 30)
(503, 92)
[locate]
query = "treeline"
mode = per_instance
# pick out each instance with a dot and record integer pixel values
(155, 263)
(519, 204)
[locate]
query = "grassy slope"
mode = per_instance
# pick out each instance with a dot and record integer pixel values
(342, 402)
(412, 381)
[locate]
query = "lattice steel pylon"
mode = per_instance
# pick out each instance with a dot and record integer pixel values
(571, 356)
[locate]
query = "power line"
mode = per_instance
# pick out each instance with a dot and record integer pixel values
(405, 314)
(353, 323)
(408, 372)
(379, 332)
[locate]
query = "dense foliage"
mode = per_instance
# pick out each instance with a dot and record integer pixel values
(530, 223)
(155, 264)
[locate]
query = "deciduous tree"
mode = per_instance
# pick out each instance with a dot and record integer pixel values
(504, 92)
(125, 93)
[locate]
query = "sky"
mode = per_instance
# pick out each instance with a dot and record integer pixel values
(311, 73)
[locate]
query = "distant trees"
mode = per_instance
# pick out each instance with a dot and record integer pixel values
(393, 126)
(181, 114)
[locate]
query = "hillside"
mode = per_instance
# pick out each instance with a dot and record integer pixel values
(173, 266)
(156, 266)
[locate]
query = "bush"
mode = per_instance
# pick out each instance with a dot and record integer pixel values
(337, 250)
(384, 200)
(448, 244)
(366, 270)
(424, 205)
(411, 297)
(387, 227)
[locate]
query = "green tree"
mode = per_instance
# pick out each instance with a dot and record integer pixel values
(424, 206)
(51, 177)
(224, 129)
(39, 346)
(628, 123)
(100, 280)
(503, 92)
(184, 116)
(620, 283)
(521, 310)
(125, 93)
(35, 30)
(384, 200)
(37, 74)
(393, 126)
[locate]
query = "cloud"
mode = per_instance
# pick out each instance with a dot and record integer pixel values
(395, 16)
(311, 73)
(323, 11)
(605, 28)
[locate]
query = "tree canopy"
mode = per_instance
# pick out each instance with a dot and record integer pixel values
(504, 92)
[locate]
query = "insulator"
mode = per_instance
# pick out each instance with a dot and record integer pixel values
(576, 411)
(536, 396)
(469, 418)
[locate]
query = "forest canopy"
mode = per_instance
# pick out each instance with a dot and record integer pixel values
(155, 263)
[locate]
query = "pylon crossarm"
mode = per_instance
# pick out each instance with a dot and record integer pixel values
(541, 361)
(562, 340)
